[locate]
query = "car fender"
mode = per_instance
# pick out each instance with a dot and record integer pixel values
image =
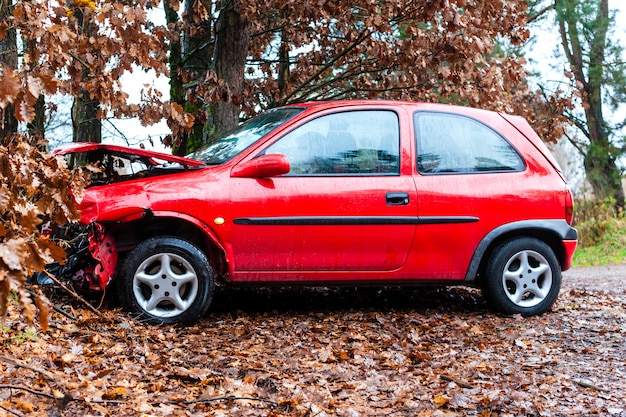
(205, 228)
(104, 251)
(557, 228)
(191, 219)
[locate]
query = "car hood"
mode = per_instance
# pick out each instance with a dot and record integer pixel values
(82, 147)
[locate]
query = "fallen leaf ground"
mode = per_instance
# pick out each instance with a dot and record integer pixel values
(325, 352)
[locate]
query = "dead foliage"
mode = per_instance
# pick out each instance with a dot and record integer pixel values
(35, 189)
(325, 352)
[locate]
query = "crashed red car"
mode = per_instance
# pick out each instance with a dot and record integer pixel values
(353, 192)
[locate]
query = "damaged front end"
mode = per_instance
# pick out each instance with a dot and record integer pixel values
(91, 258)
(91, 251)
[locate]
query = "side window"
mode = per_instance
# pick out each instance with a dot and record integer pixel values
(448, 143)
(347, 143)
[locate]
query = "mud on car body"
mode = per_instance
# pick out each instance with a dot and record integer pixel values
(352, 192)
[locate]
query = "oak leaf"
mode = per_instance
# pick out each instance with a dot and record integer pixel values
(10, 86)
(12, 253)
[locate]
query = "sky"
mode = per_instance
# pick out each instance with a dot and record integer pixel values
(136, 133)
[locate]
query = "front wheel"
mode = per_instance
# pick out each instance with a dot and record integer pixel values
(166, 280)
(522, 277)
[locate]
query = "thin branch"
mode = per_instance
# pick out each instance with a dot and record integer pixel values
(8, 410)
(575, 144)
(328, 65)
(580, 124)
(269, 30)
(571, 45)
(32, 391)
(67, 398)
(42, 372)
(50, 379)
(346, 75)
(540, 13)
(612, 64)
(64, 313)
(73, 294)
(119, 132)
(83, 63)
(226, 398)
(459, 382)
(349, 91)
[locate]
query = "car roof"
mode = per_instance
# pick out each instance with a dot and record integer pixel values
(409, 105)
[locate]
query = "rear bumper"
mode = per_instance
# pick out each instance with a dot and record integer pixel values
(570, 248)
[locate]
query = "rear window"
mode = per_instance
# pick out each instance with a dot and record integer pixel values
(453, 144)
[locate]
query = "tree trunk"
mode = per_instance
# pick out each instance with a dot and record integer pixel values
(197, 60)
(197, 50)
(37, 126)
(87, 126)
(283, 66)
(8, 58)
(231, 50)
(189, 60)
(588, 68)
(177, 92)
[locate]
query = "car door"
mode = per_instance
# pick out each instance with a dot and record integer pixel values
(344, 205)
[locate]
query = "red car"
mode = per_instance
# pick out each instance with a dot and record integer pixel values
(353, 192)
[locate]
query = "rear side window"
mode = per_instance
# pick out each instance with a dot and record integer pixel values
(346, 143)
(453, 144)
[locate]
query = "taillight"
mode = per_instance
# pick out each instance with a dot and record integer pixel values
(569, 206)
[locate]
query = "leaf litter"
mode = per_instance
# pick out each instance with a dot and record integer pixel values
(324, 352)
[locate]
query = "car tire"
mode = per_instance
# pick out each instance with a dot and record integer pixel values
(166, 280)
(522, 277)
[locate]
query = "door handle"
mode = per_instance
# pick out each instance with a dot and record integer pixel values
(397, 199)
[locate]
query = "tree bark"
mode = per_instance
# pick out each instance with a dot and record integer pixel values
(197, 45)
(231, 50)
(37, 127)
(197, 61)
(87, 126)
(8, 58)
(177, 92)
(283, 66)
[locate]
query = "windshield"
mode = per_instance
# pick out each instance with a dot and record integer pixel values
(243, 136)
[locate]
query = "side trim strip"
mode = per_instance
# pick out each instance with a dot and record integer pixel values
(351, 220)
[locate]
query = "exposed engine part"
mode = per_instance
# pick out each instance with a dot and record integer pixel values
(91, 257)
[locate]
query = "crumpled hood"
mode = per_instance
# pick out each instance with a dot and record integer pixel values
(79, 147)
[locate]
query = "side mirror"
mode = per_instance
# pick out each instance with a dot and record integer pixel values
(271, 165)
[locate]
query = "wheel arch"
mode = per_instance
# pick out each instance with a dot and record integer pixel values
(551, 232)
(130, 233)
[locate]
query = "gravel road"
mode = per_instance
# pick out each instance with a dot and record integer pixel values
(596, 278)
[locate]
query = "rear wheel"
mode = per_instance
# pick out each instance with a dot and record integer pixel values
(167, 280)
(522, 276)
